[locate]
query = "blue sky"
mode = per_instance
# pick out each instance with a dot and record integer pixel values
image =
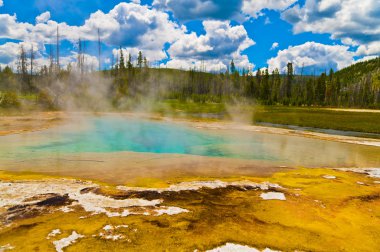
(313, 34)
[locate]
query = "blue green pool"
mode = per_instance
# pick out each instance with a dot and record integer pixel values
(113, 134)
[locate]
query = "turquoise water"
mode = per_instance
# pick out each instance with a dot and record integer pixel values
(111, 134)
(120, 134)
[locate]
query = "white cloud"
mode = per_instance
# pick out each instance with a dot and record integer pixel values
(274, 46)
(136, 27)
(312, 54)
(10, 51)
(8, 54)
(220, 39)
(370, 48)
(354, 22)
(212, 65)
(1, 3)
(128, 24)
(43, 18)
(10, 28)
(221, 43)
(254, 8)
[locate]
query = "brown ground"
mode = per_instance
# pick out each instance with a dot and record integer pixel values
(16, 124)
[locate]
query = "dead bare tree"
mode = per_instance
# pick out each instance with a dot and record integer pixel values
(32, 57)
(99, 51)
(58, 63)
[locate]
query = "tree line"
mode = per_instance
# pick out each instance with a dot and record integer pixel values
(355, 86)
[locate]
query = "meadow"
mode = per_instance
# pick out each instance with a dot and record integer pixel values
(282, 116)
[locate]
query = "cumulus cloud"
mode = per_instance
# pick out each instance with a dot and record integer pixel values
(221, 38)
(135, 27)
(127, 24)
(370, 48)
(312, 55)
(10, 28)
(201, 9)
(10, 51)
(354, 22)
(221, 43)
(1, 3)
(274, 45)
(43, 18)
(212, 65)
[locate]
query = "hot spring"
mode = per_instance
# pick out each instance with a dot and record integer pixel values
(118, 149)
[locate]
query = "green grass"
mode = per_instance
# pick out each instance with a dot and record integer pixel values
(364, 122)
(319, 118)
(188, 109)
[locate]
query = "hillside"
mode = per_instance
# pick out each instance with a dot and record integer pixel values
(355, 73)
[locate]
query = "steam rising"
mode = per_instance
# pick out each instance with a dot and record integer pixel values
(89, 92)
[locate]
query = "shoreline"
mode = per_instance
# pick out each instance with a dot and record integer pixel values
(291, 132)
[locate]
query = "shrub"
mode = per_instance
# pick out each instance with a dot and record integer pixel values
(45, 101)
(9, 99)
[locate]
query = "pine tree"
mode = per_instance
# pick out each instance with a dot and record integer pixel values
(264, 87)
(258, 81)
(330, 89)
(140, 60)
(22, 68)
(320, 91)
(289, 80)
(130, 65)
(276, 85)
(232, 67)
(117, 65)
(337, 91)
(309, 92)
